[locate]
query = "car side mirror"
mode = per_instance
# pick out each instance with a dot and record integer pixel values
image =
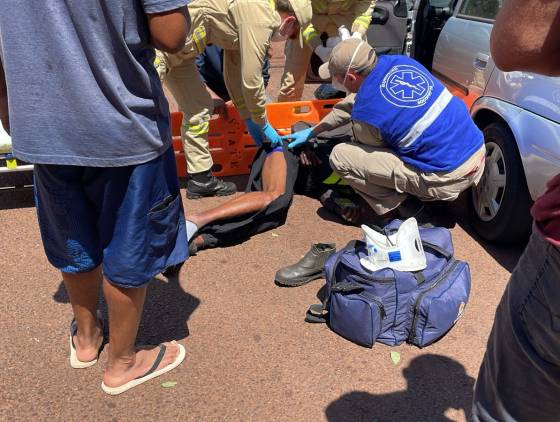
(380, 16)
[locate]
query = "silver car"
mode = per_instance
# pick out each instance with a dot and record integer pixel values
(518, 112)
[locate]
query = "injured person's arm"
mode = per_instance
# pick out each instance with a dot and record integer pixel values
(273, 177)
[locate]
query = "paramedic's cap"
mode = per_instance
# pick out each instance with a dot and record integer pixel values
(304, 13)
(342, 54)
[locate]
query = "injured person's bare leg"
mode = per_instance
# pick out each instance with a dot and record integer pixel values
(274, 185)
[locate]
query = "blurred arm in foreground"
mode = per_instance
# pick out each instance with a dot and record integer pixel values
(526, 36)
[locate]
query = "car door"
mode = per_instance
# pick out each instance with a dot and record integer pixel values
(462, 58)
(390, 25)
(388, 33)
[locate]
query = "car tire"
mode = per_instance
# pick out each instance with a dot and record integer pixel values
(500, 204)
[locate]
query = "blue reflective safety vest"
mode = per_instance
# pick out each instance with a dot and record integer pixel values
(417, 116)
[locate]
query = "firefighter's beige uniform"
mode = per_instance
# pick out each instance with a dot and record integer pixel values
(328, 16)
(380, 176)
(242, 28)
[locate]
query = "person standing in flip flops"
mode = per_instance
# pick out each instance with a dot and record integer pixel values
(89, 111)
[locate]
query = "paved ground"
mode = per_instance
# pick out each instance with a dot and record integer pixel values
(250, 356)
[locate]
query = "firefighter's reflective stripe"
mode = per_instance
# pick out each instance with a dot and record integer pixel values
(239, 102)
(197, 130)
(255, 111)
(335, 179)
(199, 38)
(309, 33)
(363, 21)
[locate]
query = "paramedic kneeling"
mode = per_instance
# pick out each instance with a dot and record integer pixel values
(413, 137)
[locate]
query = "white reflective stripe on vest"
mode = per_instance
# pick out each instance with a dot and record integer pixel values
(426, 120)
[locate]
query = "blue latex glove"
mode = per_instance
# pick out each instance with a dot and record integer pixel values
(299, 138)
(271, 135)
(255, 131)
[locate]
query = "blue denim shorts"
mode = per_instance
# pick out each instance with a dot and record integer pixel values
(130, 219)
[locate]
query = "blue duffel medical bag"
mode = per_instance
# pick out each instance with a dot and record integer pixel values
(391, 306)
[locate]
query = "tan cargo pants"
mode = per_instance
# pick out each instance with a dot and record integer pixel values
(385, 181)
(180, 75)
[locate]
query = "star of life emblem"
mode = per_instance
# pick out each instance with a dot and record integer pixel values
(406, 86)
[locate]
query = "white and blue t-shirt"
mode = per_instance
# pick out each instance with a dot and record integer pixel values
(82, 88)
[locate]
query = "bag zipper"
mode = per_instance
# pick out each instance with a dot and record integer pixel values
(441, 277)
(369, 281)
(379, 304)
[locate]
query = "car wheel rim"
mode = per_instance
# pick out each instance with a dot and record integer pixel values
(489, 193)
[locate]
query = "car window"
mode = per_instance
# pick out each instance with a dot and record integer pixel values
(480, 9)
(440, 3)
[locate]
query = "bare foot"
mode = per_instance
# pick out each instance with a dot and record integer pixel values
(124, 370)
(87, 347)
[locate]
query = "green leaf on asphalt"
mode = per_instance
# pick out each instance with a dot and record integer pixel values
(169, 384)
(395, 357)
(275, 234)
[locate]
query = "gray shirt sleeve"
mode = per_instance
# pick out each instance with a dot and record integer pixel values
(159, 6)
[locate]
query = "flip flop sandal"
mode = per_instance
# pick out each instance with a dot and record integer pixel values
(336, 203)
(194, 248)
(74, 361)
(153, 372)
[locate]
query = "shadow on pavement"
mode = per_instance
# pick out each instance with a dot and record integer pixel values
(327, 215)
(450, 215)
(440, 212)
(166, 311)
(435, 384)
(506, 256)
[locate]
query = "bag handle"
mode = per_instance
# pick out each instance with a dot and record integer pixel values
(438, 249)
(332, 274)
(317, 313)
(419, 275)
(347, 287)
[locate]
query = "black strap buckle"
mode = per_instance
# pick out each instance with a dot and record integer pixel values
(316, 314)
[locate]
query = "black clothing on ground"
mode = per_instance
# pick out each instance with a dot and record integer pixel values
(239, 229)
